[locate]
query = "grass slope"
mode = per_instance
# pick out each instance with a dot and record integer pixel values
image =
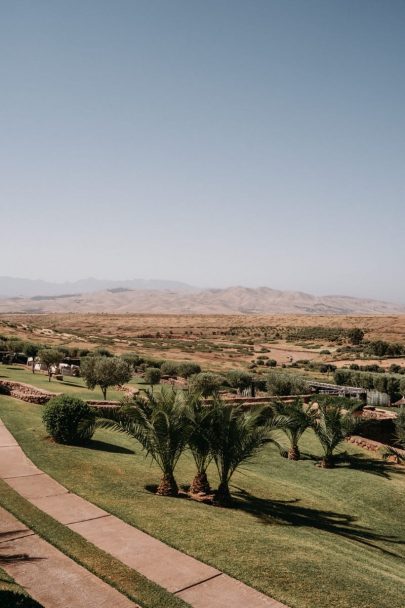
(298, 533)
(73, 386)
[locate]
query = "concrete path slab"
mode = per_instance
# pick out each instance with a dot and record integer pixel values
(160, 563)
(53, 579)
(10, 527)
(68, 508)
(36, 486)
(6, 438)
(14, 463)
(225, 592)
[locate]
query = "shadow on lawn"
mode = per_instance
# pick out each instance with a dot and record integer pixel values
(291, 513)
(103, 446)
(374, 466)
(362, 463)
(67, 383)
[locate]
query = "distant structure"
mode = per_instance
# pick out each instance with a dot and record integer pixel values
(335, 389)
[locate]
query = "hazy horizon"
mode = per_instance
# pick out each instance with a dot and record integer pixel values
(217, 144)
(183, 283)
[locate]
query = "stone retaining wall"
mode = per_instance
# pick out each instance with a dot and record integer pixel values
(31, 394)
(370, 444)
(26, 392)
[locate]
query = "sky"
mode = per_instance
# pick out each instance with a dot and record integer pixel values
(219, 143)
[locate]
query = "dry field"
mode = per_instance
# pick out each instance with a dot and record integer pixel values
(215, 341)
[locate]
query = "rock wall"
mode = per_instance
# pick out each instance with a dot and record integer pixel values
(31, 394)
(25, 392)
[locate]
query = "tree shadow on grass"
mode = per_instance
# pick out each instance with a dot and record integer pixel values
(75, 384)
(291, 513)
(360, 462)
(103, 446)
(374, 466)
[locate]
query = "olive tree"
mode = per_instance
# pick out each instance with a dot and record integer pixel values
(206, 383)
(105, 372)
(50, 357)
(152, 376)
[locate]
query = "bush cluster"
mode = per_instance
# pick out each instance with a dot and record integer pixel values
(69, 420)
(384, 383)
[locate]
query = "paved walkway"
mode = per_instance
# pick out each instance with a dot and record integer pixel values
(49, 576)
(200, 585)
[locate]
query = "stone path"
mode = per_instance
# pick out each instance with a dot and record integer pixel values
(49, 576)
(200, 585)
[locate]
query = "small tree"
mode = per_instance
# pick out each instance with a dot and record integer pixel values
(161, 426)
(50, 357)
(105, 372)
(206, 383)
(170, 368)
(355, 335)
(31, 350)
(400, 428)
(236, 436)
(283, 384)
(295, 418)
(152, 376)
(239, 379)
(200, 417)
(332, 425)
(188, 368)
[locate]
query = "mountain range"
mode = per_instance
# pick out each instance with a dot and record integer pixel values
(11, 287)
(157, 297)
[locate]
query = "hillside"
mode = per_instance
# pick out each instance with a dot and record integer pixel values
(233, 300)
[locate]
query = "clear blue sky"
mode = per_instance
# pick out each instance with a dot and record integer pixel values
(213, 142)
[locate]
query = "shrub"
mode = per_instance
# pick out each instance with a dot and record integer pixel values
(69, 420)
(281, 383)
(152, 376)
(170, 368)
(188, 368)
(239, 379)
(206, 383)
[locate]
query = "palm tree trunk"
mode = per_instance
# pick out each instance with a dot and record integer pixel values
(200, 484)
(167, 486)
(294, 453)
(223, 496)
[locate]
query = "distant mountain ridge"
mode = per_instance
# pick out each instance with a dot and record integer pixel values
(188, 300)
(11, 287)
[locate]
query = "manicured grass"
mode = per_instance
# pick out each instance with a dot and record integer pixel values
(301, 534)
(129, 582)
(70, 384)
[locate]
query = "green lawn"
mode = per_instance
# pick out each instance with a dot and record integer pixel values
(71, 385)
(301, 534)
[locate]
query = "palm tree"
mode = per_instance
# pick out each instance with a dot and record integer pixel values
(398, 450)
(160, 425)
(332, 425)
(296, 418)
(200, 416)
(236, 436)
